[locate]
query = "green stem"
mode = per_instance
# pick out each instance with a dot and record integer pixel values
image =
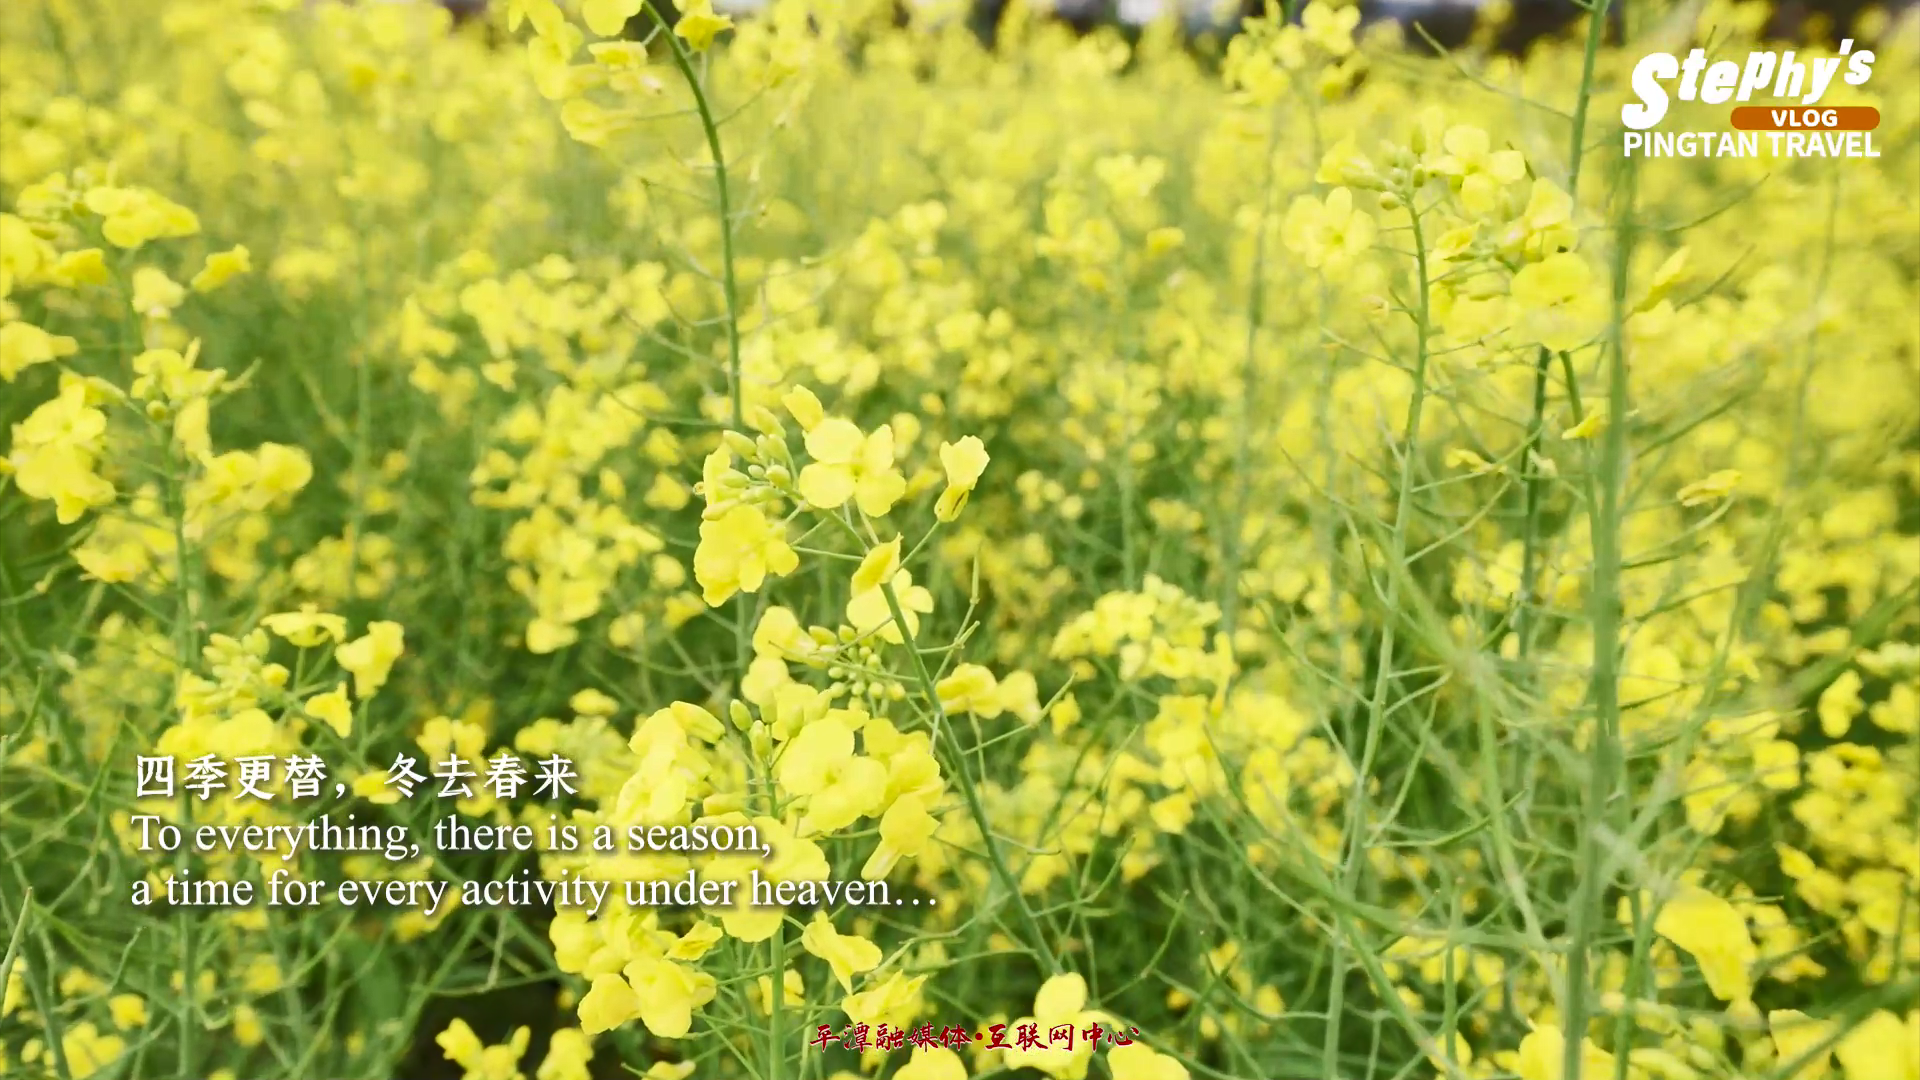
(1535, 491)
(1535, 483)
(40, 988)
(943, 730)
(730, 290)
(1603, 795)
(1256, 312)
(13, 940)
(729, 282)
(776, 991)
(1596, 28)
(187, 646)
(1353, 858)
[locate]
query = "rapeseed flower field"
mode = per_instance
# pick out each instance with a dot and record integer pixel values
(1292, 552)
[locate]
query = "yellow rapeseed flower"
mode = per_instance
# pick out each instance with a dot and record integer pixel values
(848, 464)
(370, 657)
(222, 267)
(737, 551)
(699, 25)
(1713, 932)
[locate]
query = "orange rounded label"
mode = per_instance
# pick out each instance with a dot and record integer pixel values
(1806, 118)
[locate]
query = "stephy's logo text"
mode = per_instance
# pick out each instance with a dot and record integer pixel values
(1795, 125)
